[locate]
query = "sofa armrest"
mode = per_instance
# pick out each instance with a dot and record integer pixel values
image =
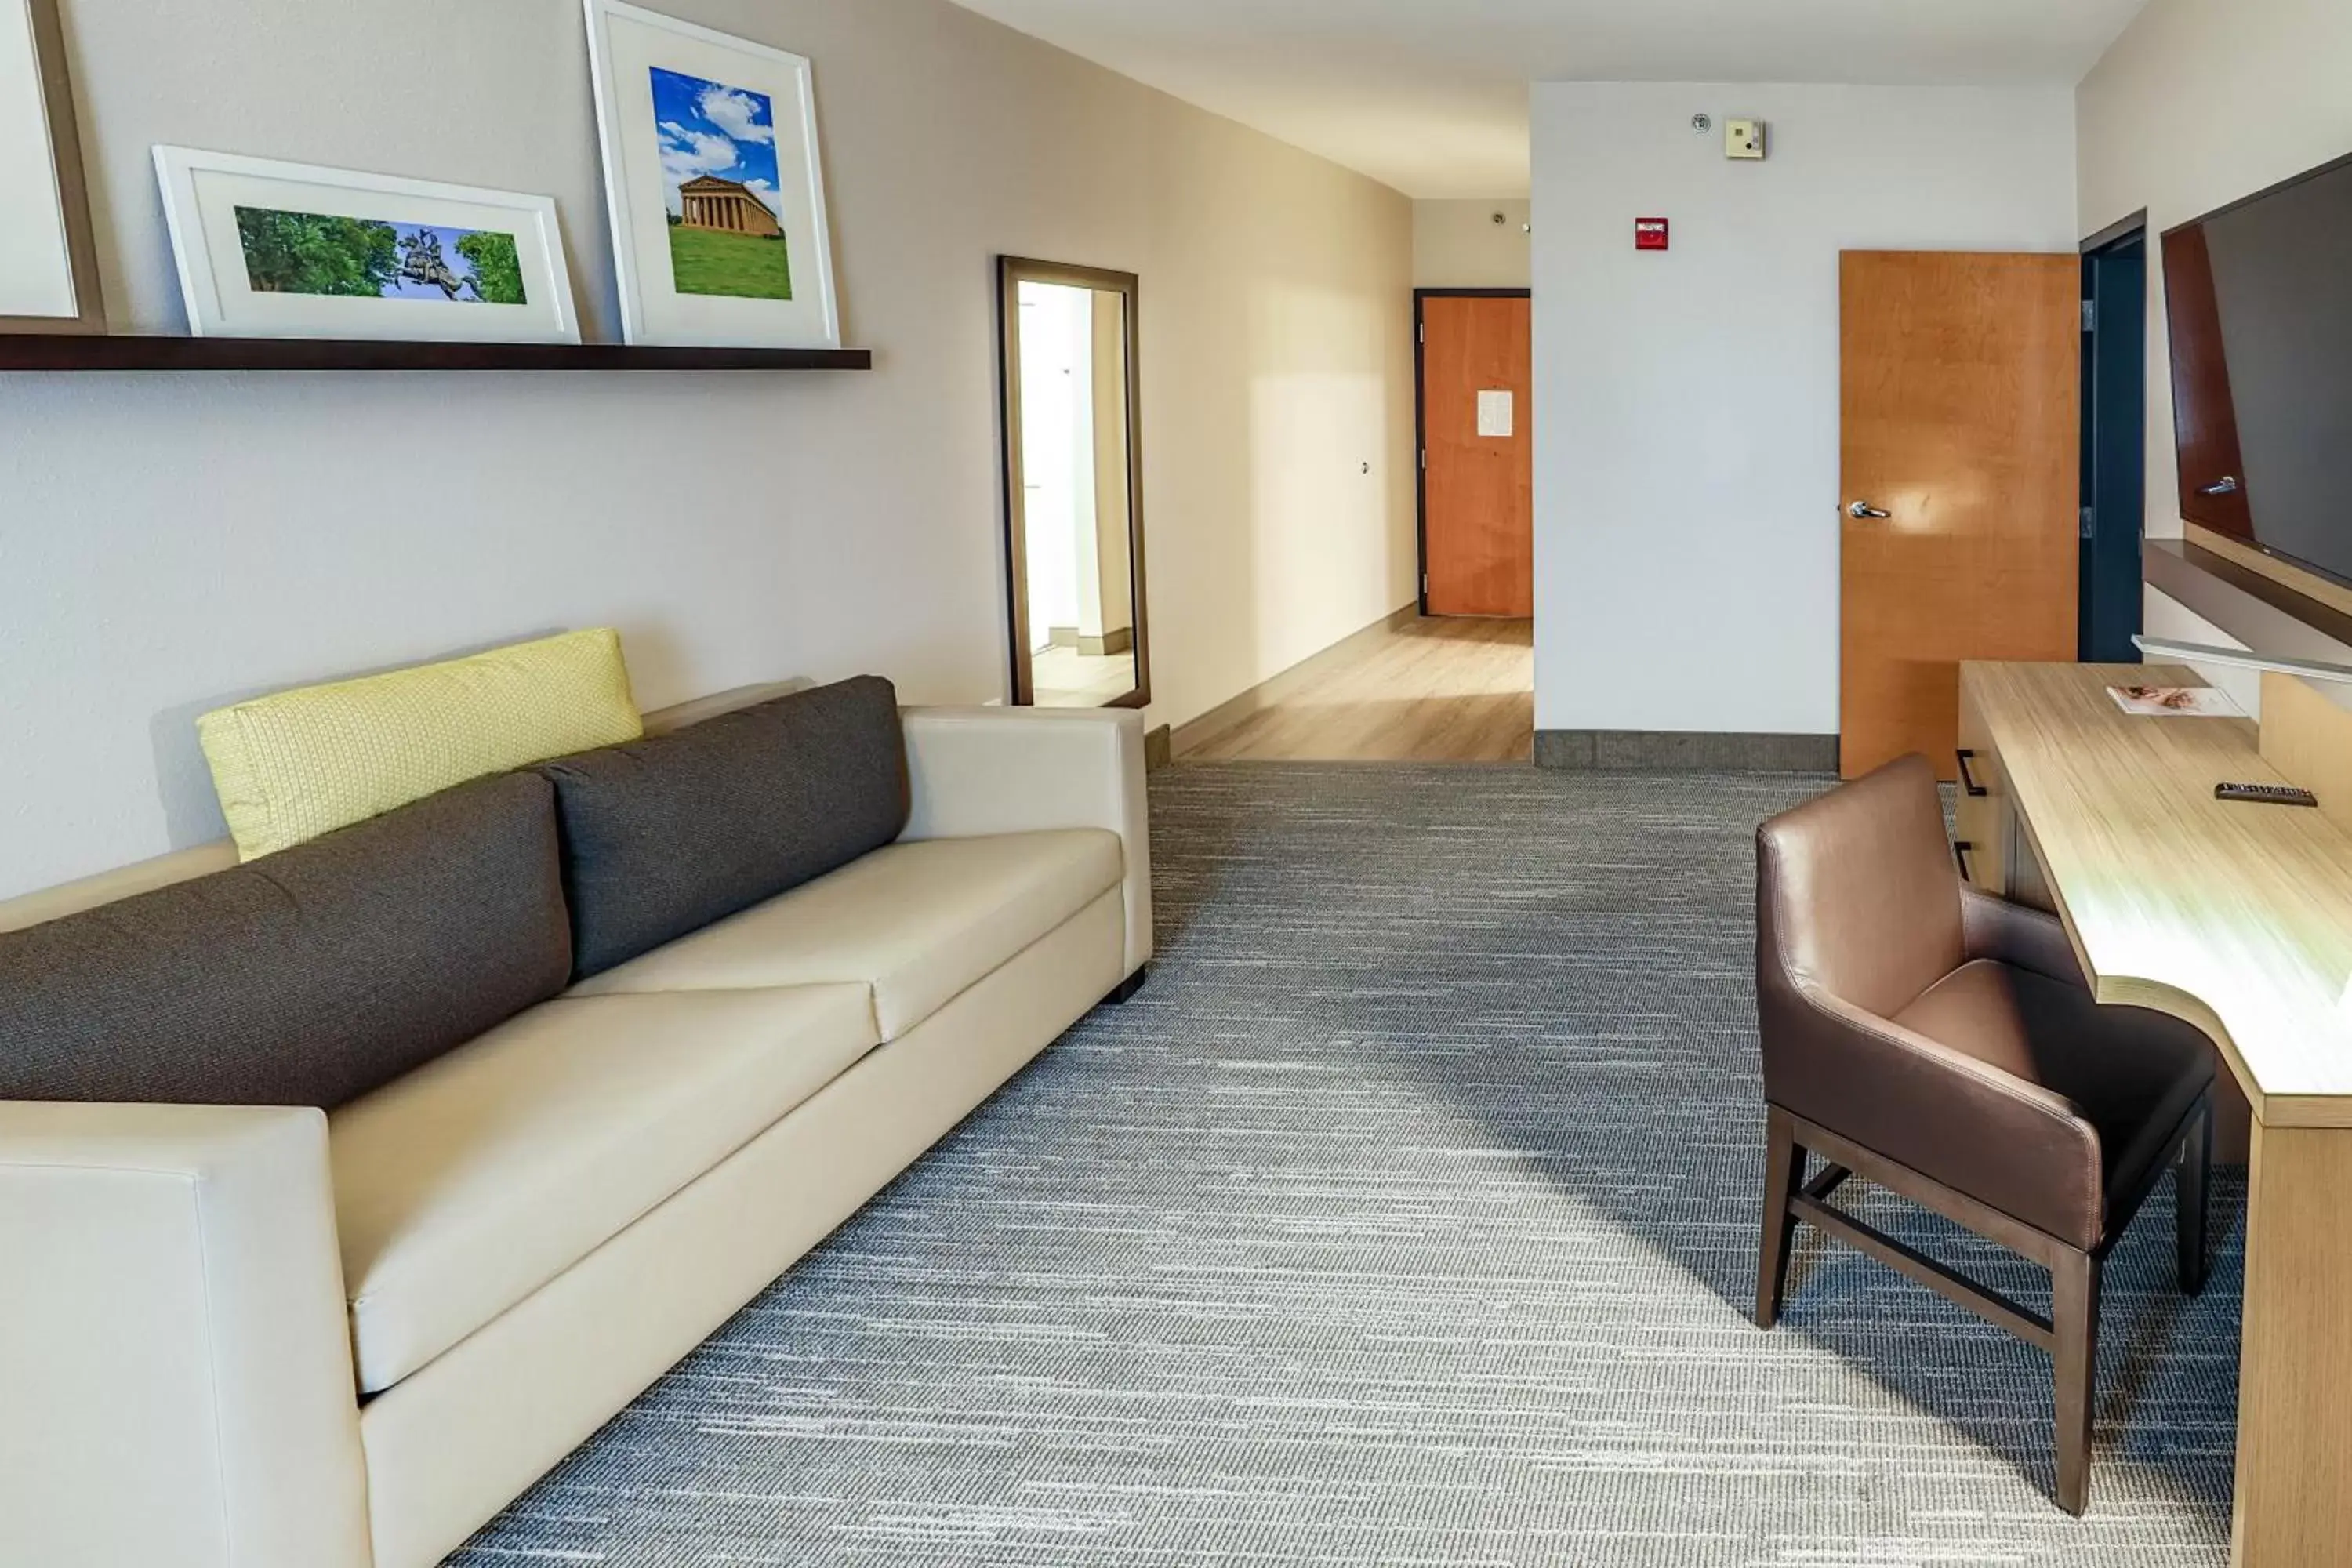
(175, 1365)
(979, 771)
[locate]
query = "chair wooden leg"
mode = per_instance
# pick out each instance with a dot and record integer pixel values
(1784, 1165)
(2193, 1184)
(2075, 1314)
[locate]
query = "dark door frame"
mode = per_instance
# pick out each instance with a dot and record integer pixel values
(1421, 415)
(2116, 280)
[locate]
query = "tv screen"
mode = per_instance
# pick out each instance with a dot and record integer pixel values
(2260, 296)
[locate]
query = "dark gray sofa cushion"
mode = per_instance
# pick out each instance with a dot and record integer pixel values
(308, 977)
(664, 836)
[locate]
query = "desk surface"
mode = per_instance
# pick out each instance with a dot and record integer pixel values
(2235, 918)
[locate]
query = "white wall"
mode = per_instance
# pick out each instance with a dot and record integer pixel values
(1687, 404)
(2199, 103)
(1057, 453)
(1458, 245)
(168, 544)
(2163, 616)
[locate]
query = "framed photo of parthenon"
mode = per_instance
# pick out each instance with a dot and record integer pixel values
(713, 183)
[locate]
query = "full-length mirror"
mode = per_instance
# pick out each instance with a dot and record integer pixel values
(1073, 494)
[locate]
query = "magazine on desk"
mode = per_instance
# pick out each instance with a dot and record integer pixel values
(2174, 702)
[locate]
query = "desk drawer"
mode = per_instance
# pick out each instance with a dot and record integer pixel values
(1984, 822)
(2001, 859)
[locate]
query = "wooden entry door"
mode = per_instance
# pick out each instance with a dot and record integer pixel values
(1963, 424)
(1477, 482)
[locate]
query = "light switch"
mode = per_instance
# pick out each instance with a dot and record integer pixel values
(1743, 139)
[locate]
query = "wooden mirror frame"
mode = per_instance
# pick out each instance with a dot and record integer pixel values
(1012, 271)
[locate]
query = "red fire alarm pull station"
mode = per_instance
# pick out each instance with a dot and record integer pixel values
(1649, 234)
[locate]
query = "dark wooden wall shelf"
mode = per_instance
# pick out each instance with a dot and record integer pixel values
(86, 351)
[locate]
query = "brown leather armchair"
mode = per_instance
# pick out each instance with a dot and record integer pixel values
(1943, 1045)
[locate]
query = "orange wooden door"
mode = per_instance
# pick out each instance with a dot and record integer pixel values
(1478, 479)
(1962, 423)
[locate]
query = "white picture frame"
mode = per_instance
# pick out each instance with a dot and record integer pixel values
(49, 265)
(228, 214)
(677, 103)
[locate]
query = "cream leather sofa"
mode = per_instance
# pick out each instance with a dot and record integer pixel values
(243, 1338)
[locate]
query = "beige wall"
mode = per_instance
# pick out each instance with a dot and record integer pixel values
(1687, 420)
(1458, 245)
(2199, 103)
(168, 544)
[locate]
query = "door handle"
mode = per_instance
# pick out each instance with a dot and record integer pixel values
(1960, 851)
(1862, 508)
(2226, 486)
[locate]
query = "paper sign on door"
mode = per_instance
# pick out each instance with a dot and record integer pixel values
(1495, 414)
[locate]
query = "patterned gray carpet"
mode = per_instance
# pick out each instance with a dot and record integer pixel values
(1406, 1218)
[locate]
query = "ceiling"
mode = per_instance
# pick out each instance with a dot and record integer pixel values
(1430, 96)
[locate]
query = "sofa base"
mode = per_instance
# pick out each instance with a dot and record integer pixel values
(452, 1445)
(1127, 988)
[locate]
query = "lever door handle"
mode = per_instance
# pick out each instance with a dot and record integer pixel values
(1862, 508)
(2226, 486)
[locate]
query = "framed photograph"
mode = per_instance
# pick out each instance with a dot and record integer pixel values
(286, 250)
(49, 265)
(715, 187)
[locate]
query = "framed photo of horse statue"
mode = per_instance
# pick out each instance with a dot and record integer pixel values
(268, 249)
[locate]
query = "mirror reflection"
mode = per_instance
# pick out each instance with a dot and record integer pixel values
(1073, 531)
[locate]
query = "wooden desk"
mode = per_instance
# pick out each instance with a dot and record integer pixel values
(2237, 918)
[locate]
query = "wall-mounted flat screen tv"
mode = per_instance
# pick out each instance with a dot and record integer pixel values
(2260, 296)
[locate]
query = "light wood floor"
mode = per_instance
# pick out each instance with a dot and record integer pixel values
(1064, 678)
(1448, 690)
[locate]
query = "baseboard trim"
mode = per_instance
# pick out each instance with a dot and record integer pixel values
(1108, 644)
(1683, 752)
(1200, 732)
(1157, 754)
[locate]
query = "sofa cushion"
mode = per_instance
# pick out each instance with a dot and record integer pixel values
(917, 923)
(666, 836)
(464, 1187)
(291, 766)
(307, 979)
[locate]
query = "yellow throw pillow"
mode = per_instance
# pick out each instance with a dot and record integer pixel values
(294, 765)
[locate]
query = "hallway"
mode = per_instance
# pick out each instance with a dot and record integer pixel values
(1436, 691)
